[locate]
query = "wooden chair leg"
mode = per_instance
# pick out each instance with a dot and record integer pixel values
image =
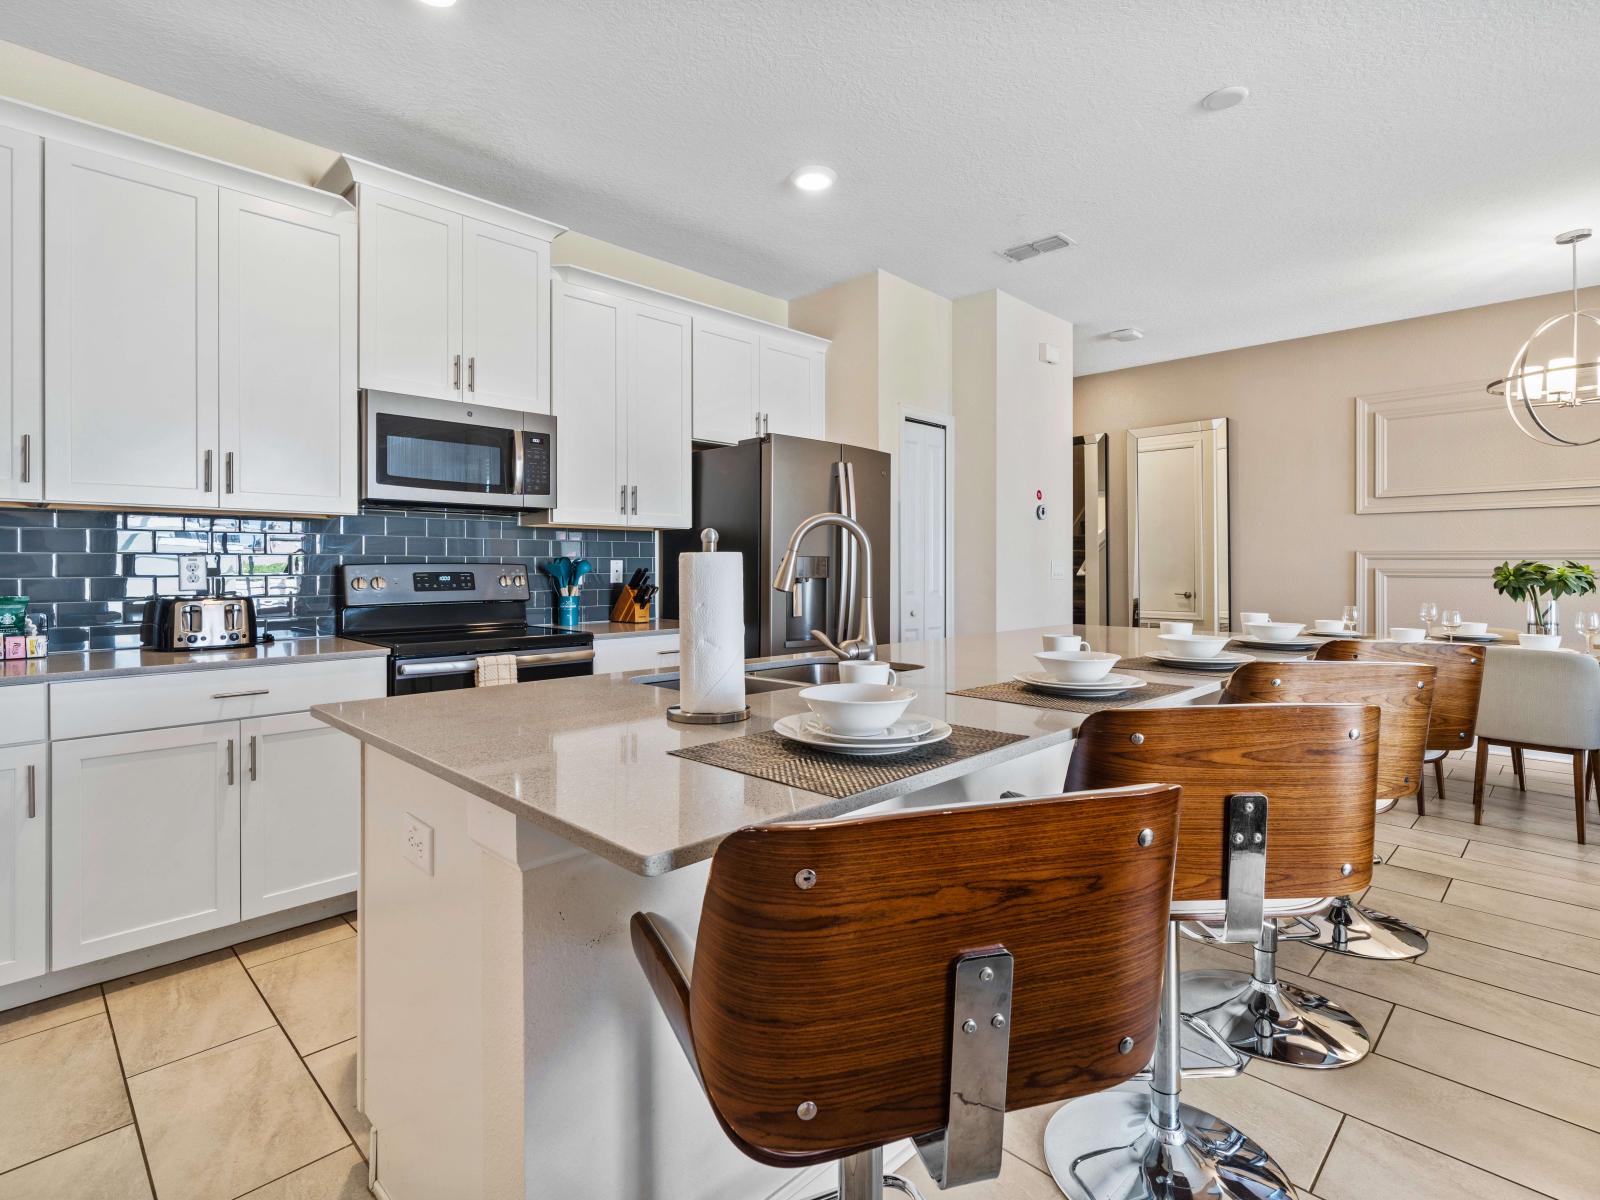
(1477, 782)
(1580, 787)
(1594, 775)
(1438, 780)
(1516, 765)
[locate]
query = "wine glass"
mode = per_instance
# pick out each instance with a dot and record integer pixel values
(1428, 614)
(1588, 624)
(1451, 620)
(1352, 618)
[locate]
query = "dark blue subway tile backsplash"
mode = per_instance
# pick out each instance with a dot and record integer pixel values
(91, 573)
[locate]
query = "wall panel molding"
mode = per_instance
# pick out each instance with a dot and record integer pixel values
(1453, 446)
(1391, 583)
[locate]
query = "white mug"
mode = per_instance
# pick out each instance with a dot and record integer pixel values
(1253, 619)
(1063, 641)
(866, 670)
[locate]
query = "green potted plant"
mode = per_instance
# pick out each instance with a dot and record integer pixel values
(1539, 585)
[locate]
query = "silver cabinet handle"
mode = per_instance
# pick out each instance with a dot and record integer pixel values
(33, 797)
(227, 472)
(472, 373)
(1185, 595)
(758, 424)
(236, 695)
(230, 762)
(27, 457)
(253, 774)
(208, 472)
(636, 499)
(766, 423)
(455, 373)
(622, 506)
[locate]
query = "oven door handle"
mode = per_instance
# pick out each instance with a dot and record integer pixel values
(464, 666)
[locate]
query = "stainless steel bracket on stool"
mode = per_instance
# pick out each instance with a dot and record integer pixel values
(1140, 1141)
(1256, 1013)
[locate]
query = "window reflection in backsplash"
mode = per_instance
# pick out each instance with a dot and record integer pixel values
(92, 572)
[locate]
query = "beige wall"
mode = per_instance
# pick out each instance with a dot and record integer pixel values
(847, 315)
(64, 87)
(1293, 446)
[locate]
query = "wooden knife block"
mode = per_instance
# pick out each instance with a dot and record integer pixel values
(628, 611)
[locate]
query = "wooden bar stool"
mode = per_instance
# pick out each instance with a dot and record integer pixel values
(853, 980)
(1254, 1011)
(1277, 816)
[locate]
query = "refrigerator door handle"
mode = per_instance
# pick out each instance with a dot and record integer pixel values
(848, 554)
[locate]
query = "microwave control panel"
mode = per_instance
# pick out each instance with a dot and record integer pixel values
(538, 463)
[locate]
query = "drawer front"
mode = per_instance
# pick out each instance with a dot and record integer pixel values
(641, 653)
(99, 706)
(24, 714)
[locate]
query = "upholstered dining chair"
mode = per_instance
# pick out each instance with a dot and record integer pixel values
(1545, 700)
(852, 981)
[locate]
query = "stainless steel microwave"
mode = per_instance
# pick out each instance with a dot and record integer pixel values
(424, 451)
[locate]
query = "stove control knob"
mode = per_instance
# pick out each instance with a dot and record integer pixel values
(358, 583)
(379, 582)
(505, 581)
(519, 580)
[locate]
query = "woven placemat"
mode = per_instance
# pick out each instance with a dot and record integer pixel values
(1145, 663)
(770, 756)
(1016, 693)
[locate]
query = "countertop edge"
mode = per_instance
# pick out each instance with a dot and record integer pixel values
(352, 649)
(605, 631)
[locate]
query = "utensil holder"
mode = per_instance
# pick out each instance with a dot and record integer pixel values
(568, 611)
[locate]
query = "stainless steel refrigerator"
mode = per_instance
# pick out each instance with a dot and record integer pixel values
(753, 495)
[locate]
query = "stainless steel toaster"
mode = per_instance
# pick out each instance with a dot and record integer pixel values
(198, 622)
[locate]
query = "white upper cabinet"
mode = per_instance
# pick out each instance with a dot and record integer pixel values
(660, 495)
(24, 862)
(130, 288)
(21, 316)
(727, 360)
(454, 291)
(793, 382)
(287, 357)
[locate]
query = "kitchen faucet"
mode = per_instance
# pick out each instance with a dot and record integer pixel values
(865, 643)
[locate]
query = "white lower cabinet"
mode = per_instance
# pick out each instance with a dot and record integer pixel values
(24, 861)
(145, 844)
(640, 652)
(301, 813)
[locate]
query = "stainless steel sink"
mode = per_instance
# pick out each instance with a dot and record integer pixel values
(804, 674)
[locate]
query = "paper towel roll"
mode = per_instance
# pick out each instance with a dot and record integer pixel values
(711, 632)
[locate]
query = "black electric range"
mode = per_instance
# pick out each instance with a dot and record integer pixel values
(438, 619)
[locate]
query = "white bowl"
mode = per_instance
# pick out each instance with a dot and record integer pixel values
(857, 707)
(1406, 633)
(1539, 641)
(1195, 645)
(1325, 626)
(1063, 641)
(1474, 628)
(1178, 628)
(1076, 666)
(1273, 631)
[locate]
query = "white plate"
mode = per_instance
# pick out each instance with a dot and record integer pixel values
(906, 729)
(1227, 660)
(1325, 633)
(795, 729)
(1111, 685)
(1475, 639)
(1299, 643)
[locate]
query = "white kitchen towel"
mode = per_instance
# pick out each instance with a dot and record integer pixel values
(496, 669)
(711, 632)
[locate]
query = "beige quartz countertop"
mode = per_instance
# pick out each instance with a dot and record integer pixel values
(104, 664)
(616, 629)
(587, 758)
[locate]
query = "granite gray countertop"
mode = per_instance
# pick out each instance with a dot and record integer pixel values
(616, 629)
(105, 664)
(587, 758)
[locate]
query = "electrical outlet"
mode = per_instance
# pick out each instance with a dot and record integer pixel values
(616, 570)
(417, 844)
(192, 572)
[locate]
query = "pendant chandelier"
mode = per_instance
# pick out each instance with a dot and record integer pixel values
(1555, 377)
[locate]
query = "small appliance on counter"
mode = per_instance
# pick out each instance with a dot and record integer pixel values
(198, 623)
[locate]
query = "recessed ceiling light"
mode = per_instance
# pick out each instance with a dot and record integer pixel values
(1130, 334)
(1225, 98)
(440, 3)
(813, 179)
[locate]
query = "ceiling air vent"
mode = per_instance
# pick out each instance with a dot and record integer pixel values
(1056, 241)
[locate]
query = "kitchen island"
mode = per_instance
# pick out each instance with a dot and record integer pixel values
(510, 1046)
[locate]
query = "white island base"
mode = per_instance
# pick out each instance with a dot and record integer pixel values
(510, 1046)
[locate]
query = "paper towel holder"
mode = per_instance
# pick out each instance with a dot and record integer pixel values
(708, 542)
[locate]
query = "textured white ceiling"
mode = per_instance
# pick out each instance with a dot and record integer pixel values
(1396, 157)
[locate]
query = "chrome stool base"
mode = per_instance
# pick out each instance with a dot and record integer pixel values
(1363, 933)
(1277, 1021)
(1206, 1158)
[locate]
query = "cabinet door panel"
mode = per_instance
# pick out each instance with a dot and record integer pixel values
(589, 406)
(659, 416)
(505, 277)
(300, 822)
(790, 395)
(24, 862)
(410, 296)
(145, 844)
(21, 316)
(130, 332)
(287, 357)
(725, 382)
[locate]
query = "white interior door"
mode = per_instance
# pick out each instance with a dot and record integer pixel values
(24, 862)
(1174, 523)
(410, 296)
(505, 276)
(924, 561)
(725, 382)
(659, 416)
(21, 316)
(287, 357)
(300, 813)
(130, 332)
(589, 404)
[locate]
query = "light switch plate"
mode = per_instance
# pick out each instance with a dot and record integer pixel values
(192, 572)
(1058, 568)
(616, 570)
(416, 843)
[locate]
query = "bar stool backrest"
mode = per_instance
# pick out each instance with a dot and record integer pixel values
(1403, 693)
(1315, 763)
(1457, 683)
(821, 1017)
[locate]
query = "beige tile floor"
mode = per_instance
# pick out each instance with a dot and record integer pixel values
(233, 1074)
